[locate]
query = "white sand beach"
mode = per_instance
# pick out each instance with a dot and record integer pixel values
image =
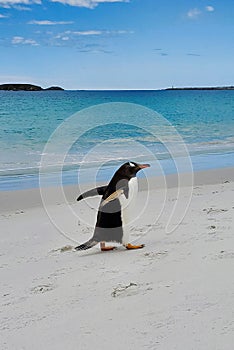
(175, 293)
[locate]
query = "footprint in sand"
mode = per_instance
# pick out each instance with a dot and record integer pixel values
(43, 288)
(130, 289)
(212, 227)
(66, 248)
(225, 255)
(214, 211)
(125, 290)
(156, 255)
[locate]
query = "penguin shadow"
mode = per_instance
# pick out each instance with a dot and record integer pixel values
(97, 252)
(83, 253)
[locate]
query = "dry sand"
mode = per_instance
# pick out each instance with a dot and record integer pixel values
(176, 293)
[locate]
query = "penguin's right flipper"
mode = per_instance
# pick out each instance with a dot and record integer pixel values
(112, 197)
(98, 191)
(122, 189)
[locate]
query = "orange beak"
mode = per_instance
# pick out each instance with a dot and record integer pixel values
(143, 166)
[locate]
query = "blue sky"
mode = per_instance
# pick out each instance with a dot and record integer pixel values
(117, 44)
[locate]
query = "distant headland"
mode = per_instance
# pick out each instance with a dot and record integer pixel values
(31, 87)
(203, 88)
(26, 87)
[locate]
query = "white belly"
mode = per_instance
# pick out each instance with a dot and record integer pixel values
(127, 208)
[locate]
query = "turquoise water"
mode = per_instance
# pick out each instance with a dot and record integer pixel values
(204, 119)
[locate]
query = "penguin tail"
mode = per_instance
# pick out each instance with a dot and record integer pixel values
(87, 245)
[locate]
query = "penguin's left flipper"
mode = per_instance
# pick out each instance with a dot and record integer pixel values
(130, 246)
(98, 191)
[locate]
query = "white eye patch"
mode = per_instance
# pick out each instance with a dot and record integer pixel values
(131, 164)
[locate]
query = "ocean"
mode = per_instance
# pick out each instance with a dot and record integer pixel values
(77, 134)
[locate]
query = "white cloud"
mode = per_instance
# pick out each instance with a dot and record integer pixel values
(98, 32)
(87, 3)
(19, 40)
(193, 13)
(91, 51)
(79, 3)
(21, 8)
(13, 3)
(209, 8)
(30, 42)
(49, 23)
(88, 32)
(68, 38)
(119, 32)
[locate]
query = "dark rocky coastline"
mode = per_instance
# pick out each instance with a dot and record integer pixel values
(26, 87)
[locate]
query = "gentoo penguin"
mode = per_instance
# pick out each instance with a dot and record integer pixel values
(116, 204)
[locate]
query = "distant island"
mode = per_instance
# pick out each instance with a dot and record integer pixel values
(31, 87)
(27, 87)
(203, 88)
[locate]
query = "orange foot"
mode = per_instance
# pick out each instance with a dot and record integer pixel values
(106, 249)
(130, 246)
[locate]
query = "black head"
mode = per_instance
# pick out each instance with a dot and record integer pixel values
(130, 169)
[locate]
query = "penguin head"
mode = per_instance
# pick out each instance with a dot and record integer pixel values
(130, 169)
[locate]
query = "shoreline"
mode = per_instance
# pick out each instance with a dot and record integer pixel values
(17, 200)
(27, 180)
